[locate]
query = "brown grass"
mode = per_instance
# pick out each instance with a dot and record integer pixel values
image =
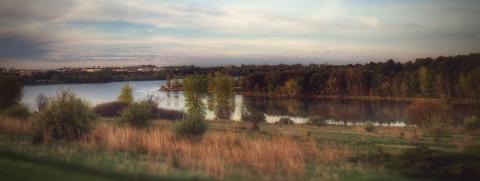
(15, 126)
(218, 152)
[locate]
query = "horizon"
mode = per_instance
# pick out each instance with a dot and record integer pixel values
(236, 65)
(53, 34)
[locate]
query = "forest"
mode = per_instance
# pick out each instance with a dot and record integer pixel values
(450, 78)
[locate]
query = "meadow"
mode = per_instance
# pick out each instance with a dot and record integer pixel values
(231, 151)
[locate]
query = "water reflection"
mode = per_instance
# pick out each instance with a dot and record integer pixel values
(345, 112)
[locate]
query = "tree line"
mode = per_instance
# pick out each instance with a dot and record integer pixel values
(456, 77)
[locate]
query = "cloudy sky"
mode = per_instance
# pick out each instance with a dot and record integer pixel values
(57, 33)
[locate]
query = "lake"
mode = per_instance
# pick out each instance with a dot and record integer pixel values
(345, 112)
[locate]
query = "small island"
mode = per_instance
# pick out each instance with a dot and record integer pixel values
(174, 85)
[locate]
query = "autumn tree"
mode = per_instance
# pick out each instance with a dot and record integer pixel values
(126, 94)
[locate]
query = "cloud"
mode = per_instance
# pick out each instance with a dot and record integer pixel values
(22, 46)
(89, 31)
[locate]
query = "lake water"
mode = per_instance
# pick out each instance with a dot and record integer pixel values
(348, 112)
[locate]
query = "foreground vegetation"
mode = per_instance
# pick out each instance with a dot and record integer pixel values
(231, 151)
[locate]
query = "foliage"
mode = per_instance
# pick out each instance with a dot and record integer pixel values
(10, 91)
(422, 113)
(126, 95)
(317, 121)
(65, 117)
(110, 109)
(42, 102)
(425, 81)
(291, 87)
(138, 114)
(16, 111)
(195, 88)
(252, 115)
(160, 113)
(223, 88)
(191, 127)
(369, 128)
(472, 123)
(433, 118)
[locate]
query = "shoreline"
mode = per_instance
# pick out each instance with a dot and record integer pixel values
(364, 98)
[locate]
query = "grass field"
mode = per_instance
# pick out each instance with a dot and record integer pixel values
(230, 151)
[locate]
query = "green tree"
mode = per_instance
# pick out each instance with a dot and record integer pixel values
(223, 95)
(10, 91)
(126, 95)
(195, 89)
(425, 81)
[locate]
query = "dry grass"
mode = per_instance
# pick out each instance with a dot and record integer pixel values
(218, 153)
(15, 126)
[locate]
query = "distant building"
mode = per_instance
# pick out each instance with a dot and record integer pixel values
(27, 72)
(91, 69)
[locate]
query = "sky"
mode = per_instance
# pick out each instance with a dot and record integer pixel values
(39, 34)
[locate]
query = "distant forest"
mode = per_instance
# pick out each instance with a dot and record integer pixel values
(454, 77)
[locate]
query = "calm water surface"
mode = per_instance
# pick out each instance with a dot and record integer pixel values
(348, 112)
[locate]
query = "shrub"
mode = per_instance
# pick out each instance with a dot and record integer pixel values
(137, 114)
(317, 121)
(421, 113)
(471, 123)
(10, 91)
(369, 128)
(110, 109)
(42, 102)
(191, 127)
(126, 94)
(433, 118)
(285, 121)
(65, 117)
(17, 111)
(253, 116)
(160, 113)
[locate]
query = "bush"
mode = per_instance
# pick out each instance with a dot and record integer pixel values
(317, 121)
(369, 128)
(65, 117)
(160, 113)
(137, 114)
(433, 118)
(253, 116)
(285, 121)
(42, 102)
(471, 123)
(17, 111)
(421, 113)
(110, 109)
(191, 127)
(10, 91)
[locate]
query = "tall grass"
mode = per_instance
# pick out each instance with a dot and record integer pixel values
(15, 125)
(217, 152)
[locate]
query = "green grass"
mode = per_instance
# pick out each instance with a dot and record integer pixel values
(20, 160)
